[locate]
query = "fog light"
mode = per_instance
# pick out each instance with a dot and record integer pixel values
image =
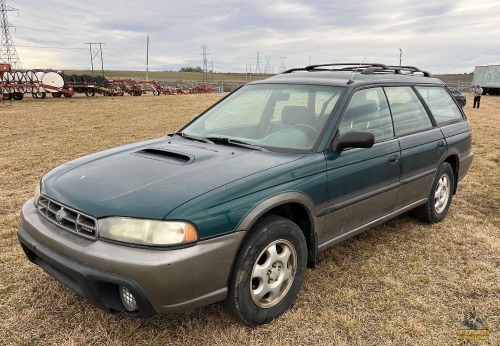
(128, 299)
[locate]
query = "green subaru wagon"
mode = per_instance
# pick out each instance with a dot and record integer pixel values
(239, 202)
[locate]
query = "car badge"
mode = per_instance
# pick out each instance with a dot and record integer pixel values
(60, 215)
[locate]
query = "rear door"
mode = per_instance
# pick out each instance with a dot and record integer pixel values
(422, 145)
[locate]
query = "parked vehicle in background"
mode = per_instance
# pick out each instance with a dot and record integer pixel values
(488, 77)
(459, 96)
(238, 203)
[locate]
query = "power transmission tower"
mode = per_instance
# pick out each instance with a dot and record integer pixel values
(282, 67)
(257, 64)
(249, 71)
(96, 53)
(267, 68)
(8, 53)
(204, 53)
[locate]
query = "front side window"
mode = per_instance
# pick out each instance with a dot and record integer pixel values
(408, 113)
(269, 115)
(368, 111)
(441, 104)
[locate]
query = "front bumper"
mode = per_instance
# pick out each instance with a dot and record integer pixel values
(162, 281)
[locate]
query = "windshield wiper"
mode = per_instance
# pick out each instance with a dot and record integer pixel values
(194, 138)
(235, 142)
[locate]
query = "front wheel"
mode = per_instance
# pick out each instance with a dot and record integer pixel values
(268, 271)
(439, 201)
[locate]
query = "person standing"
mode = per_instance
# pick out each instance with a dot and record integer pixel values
(478, 91)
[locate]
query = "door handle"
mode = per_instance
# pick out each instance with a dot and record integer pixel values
(393, 159)
(440, 145)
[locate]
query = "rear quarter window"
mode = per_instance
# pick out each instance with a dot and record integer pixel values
(441, 104)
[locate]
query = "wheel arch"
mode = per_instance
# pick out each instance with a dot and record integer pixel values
(295, 206)
(454, 162)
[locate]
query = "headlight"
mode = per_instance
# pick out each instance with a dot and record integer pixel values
(147, 232)
(38, 192)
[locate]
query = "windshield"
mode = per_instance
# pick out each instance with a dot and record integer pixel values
(269, 115)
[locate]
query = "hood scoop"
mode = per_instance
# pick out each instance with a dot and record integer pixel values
(165, 156)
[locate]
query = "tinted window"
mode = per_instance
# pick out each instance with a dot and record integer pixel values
(368, 111)
(441, 104)
(408, 113)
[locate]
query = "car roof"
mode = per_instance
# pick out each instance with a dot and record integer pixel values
(347, 74)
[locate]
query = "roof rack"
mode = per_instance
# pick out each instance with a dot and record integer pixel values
(363, 68)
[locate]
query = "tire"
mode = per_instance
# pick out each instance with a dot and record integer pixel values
(57, 94)
(268, 271)
(17, 96)
(440, 197)
(39, 94)
(90, 92)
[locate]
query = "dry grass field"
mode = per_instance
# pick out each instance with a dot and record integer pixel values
(403, 282)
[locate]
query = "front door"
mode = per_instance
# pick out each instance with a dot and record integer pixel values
(362, 183)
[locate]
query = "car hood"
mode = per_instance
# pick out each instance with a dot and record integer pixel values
(149, 179)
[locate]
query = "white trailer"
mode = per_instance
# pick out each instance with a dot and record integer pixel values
(488, 77)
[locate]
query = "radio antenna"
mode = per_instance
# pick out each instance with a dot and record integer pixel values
(351, 80)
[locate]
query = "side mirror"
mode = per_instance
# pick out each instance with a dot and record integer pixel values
(354, 139)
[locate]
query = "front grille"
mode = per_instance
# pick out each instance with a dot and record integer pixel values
(68, 218)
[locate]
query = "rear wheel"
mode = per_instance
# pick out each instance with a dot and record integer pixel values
(268, 271)
(439, 201)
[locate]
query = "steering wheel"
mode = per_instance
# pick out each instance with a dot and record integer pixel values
(308, 128)
(311, 133)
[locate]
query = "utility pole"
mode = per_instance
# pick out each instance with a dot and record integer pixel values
(96, 53)
(400, 55)
(147, 58)
(212, 69)
(8, 53)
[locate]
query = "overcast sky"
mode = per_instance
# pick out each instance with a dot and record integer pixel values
(437, 35)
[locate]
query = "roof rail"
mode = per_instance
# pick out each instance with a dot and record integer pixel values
(363, 68)
(411, 69)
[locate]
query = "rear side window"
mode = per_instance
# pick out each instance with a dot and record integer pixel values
(441, 104)
(408, 113)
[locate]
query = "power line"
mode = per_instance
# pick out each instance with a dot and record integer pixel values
(8, 53)
(49, 47)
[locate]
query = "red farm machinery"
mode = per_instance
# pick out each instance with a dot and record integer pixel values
(15, 84)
